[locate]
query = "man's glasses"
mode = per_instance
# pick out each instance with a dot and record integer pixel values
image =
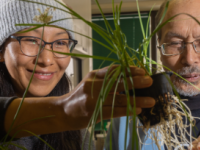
(30, 45)
(177, 47)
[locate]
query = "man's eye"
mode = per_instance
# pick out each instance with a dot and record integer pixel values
(197, 42)
(176, 44)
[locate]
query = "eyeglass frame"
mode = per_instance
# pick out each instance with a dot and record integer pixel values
(194, 46)
(18, 38)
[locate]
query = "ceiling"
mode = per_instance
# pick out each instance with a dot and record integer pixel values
(128, 5)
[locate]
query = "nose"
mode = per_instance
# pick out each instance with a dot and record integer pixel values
(46, 57)
(189, 56)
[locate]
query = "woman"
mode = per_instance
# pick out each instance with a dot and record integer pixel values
(48, 93)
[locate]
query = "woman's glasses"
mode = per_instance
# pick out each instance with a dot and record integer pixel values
(30, 45)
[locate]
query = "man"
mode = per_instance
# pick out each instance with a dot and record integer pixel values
(181, 54)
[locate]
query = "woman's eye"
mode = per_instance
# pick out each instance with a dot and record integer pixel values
(31, 41)
(61, 43)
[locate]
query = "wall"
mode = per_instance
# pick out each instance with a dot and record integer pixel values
(130, 26)
(127, 6)
(82, 7)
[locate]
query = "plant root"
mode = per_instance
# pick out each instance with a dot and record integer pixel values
(171, 131)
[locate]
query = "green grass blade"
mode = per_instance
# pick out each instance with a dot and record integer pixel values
(108, 27)
(120, 7)
(113, 9)
(95, 74)
(129, 107)
(168, 20)
(88, 56)
(40, 139)
(21, 147)
(113, 104)
(78, 16)
(147, 27)
(93, 119)
(106, 87)
(141, 24)
(26, 91)
(164, 13)
(105, 36)
(63, 29)
(27, 30)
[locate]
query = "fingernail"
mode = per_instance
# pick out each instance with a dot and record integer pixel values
(139, 71)
(146, 80)
(149, 102)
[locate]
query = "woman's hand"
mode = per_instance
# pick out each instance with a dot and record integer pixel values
(79, 104)
(73, 111)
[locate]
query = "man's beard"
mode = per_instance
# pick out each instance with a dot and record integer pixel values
(179, 83)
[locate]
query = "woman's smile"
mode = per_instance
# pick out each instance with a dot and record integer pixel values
(49, 68)
(42, 75)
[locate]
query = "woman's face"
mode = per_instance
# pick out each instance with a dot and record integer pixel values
(49, 69)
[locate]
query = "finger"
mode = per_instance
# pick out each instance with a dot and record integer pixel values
(193, 147)
(190, 147)
(198, 146)
(121, 101)
(135, 71)
(117, 112)
(139, 82)
(196, 141)
(101, 73)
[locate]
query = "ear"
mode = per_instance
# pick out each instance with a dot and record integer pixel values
(1, 57)
(158, 43)
(160, 56)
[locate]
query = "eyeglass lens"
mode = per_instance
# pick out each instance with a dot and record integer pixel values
(30, 46)
(177, 47)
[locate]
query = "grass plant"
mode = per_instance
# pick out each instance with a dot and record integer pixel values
(117, 44)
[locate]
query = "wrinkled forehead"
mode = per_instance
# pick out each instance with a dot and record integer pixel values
(183, 6)
(183, 24)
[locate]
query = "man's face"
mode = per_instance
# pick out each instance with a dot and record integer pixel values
(183, 28)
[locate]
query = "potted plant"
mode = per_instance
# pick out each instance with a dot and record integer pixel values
(165, 113)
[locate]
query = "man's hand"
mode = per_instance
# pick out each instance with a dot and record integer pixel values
(196, 144)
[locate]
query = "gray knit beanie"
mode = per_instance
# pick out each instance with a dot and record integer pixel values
(20, 12)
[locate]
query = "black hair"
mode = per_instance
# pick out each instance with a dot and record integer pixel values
(68, 140)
